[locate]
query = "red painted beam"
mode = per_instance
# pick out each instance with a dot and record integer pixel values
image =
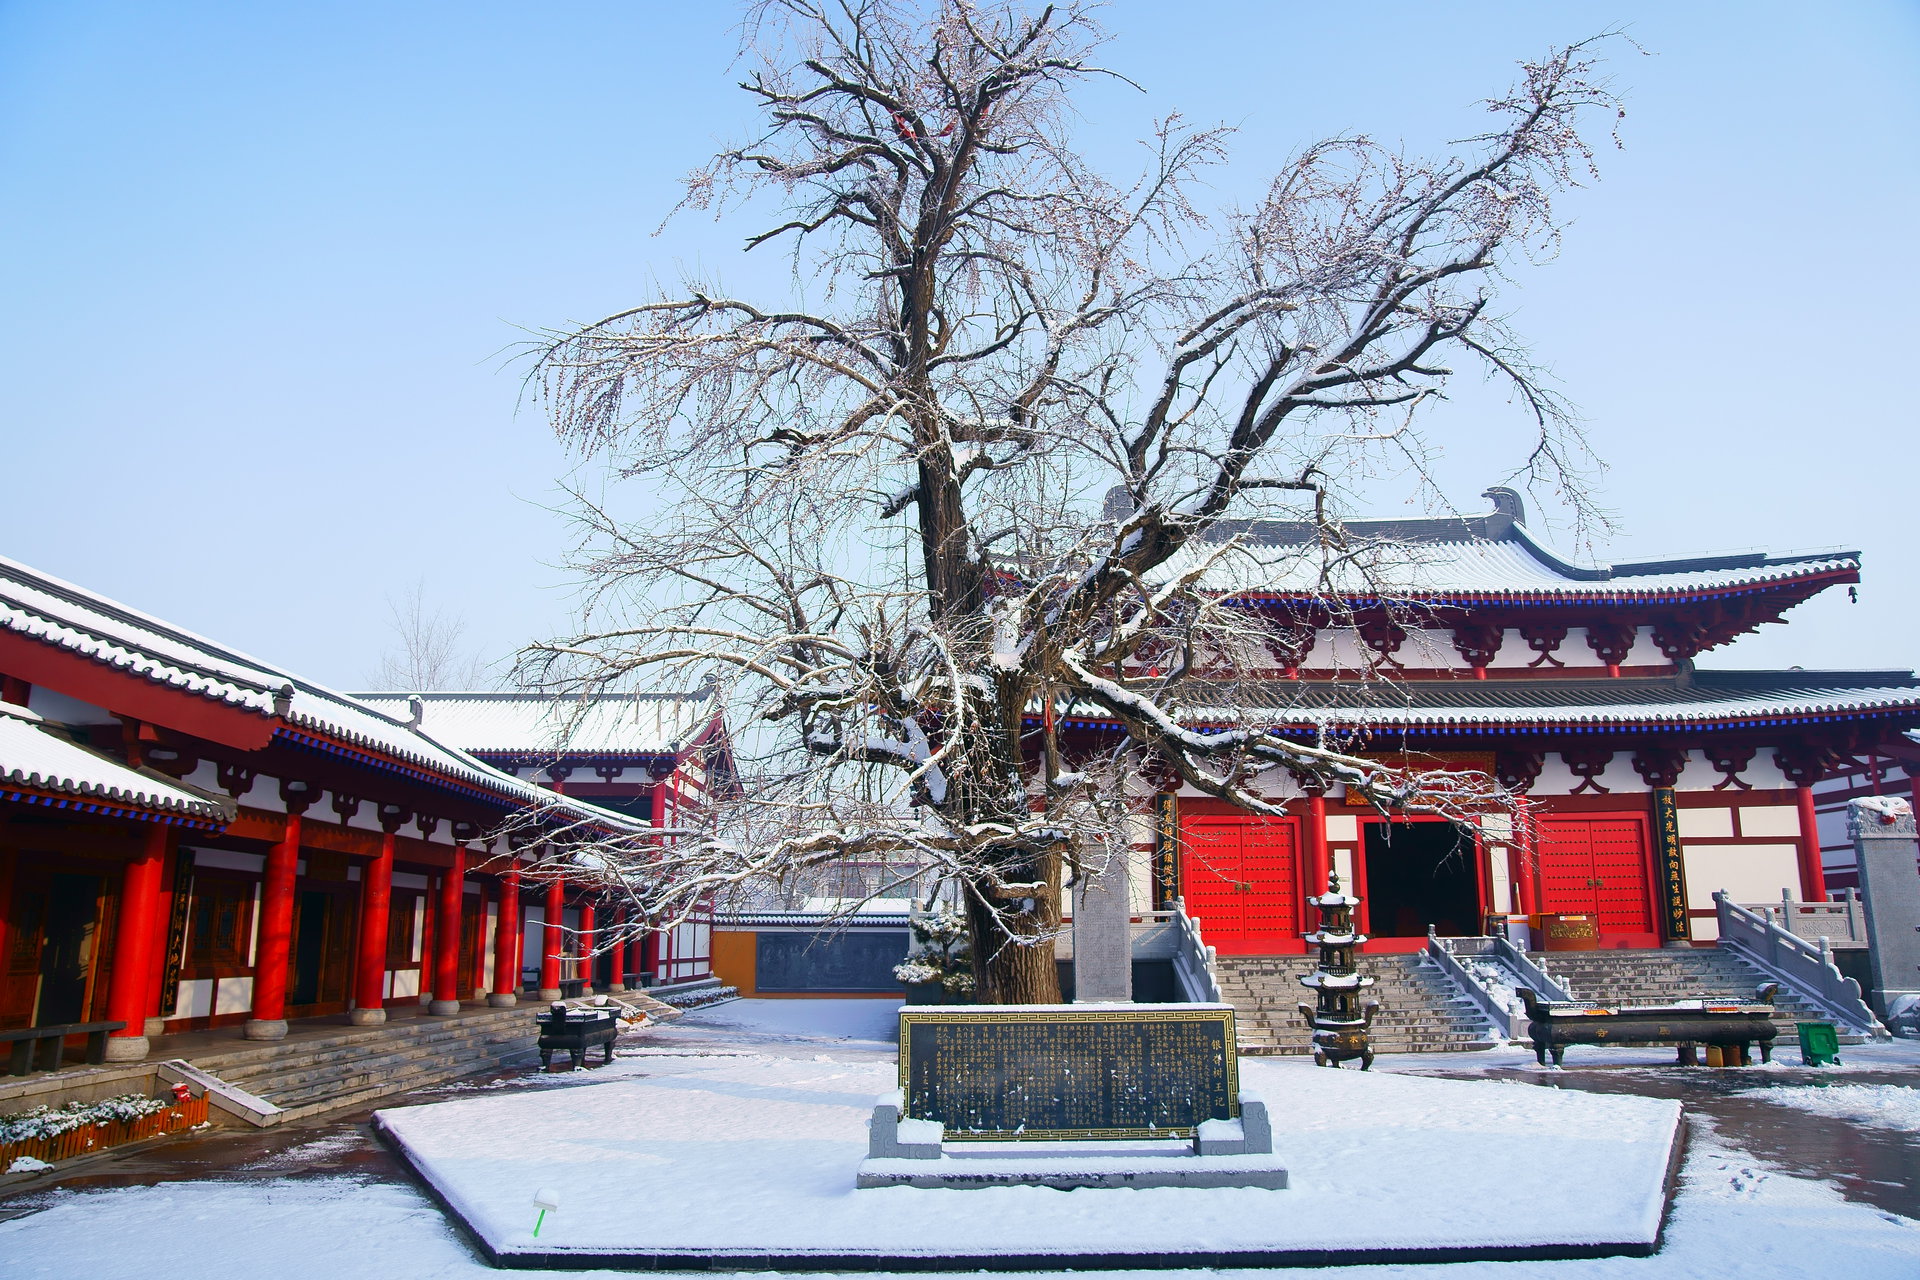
(134, 696)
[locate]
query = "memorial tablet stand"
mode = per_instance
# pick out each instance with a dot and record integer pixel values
(1070, 1096)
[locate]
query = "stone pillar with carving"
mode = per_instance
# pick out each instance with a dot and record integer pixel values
(1103, 932)
(1883, 846)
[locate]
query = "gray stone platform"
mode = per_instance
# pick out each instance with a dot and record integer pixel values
(904, 1152)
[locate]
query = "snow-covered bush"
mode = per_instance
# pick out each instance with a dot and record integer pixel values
(51, 1122)
(940, 953)
(697, 997)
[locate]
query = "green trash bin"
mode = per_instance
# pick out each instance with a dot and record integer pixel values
(1819, 1044)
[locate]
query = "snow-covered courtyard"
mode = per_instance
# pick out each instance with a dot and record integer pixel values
(779, 1090)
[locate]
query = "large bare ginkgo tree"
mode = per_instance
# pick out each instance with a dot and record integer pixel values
(986, 467)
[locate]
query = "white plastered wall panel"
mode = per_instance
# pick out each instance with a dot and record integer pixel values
(1430, 650)
(1515, 652)
(1556, 779)
(1748, 872)
(1500, 877)
(1699, 774)
(1770, 821)
(1763, 774)
(1708, 824)
(489, 944)
(1140, 866)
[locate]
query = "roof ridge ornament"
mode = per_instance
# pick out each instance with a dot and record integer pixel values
(1507, 502)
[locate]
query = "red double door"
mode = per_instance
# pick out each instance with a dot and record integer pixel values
(1241, 878)
(1599, 865)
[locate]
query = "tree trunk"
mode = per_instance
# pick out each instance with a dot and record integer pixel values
(1006, 971)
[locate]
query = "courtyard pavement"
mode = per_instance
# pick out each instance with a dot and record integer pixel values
(1790, 1171)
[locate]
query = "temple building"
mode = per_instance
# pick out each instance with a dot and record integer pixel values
(1650, 781)
(192, 839)
(655, 757)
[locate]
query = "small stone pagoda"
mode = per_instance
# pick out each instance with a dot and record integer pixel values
(1339, 1020)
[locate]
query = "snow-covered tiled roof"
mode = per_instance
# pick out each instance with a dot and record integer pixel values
(33, 756)
(91, 625)
(1486, 556)
(537, 724)
(1692, 699)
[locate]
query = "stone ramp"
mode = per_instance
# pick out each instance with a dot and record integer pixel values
(1421, 1010)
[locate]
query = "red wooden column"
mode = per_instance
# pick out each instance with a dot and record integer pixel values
(376, 903)
(554, 943)
(1813, 876)
(129, 993)
(636, 958)
(506, 943)
(269, 1019)
(617, 953)
(587, 940)
(1318, 860)
(446, 941)
(1523, 863)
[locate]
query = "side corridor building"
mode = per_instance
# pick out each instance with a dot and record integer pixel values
(192, 838)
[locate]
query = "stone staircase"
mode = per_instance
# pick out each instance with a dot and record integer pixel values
(359, 1065)
(1421, 1010)
(1660, 977)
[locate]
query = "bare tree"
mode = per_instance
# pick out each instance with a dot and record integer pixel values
(996, 473)
(426, 654)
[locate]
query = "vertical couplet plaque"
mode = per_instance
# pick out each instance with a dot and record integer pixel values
(1673, 874)
(1166, 849)
(1014, 1073)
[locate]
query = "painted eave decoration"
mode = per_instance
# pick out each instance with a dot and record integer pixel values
(39, 767)
(80, 622)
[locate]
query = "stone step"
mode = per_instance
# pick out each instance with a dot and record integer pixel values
(360, 1065)
(269, 1083)
(293, 1067)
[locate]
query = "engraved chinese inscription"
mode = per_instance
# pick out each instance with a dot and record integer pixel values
(1007, 1074)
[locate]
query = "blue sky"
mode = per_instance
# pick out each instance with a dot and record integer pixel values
(258, 264)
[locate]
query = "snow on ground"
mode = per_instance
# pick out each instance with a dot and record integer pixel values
(1885, 1106)
(1733, 1215)
(758, 1152)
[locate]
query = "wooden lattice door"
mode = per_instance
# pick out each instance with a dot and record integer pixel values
(1242, 879)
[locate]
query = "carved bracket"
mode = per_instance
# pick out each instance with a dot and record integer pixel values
(1731, 761)
(1544, 639)
(1660, 766)
(1382, 635)
(1804, 766)
(297, 795)
(1680, 638)
(1611, 642)
(1290, 643)
(1587, 764)
(1478, 642)
(235, 779)
(1518, 770)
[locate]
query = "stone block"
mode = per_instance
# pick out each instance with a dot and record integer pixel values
(1250, 1135)
(892, 1137)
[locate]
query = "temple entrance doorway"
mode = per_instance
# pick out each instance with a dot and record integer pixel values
(1421, 874)
(320, 954)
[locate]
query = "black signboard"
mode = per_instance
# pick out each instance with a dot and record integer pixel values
(1017, 1073)
(848, 960)
(1673, 873)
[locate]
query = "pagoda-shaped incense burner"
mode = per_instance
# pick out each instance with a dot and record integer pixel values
(1339, 1020)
